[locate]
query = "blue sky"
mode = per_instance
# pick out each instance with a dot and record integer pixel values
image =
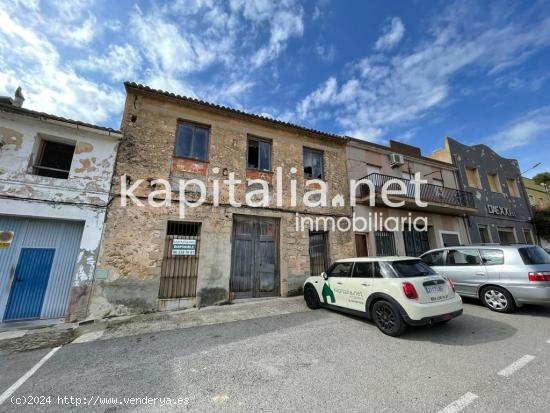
(413, 71)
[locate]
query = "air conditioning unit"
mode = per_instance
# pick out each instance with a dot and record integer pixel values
(396, 159)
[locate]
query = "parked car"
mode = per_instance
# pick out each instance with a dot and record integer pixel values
(547, 249)
(393, 291)
(502, 277)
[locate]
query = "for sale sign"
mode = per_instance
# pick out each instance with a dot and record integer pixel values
(184, 246)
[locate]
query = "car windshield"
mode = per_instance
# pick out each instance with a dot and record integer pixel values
(534, 255)
(412, 268)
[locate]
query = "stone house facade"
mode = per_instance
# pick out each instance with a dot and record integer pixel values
(444, 222)
(55, 177)
(503, 214)
(153, 258)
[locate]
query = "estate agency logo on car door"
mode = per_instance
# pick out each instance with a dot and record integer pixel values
(353, 296)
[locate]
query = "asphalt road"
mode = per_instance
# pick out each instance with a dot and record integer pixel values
(307, 361)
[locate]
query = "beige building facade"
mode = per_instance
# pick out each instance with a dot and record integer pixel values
(153, 258)
(444, 214)
(538, 195)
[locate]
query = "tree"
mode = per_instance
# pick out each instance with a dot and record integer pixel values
(542, 179)
(541, 219)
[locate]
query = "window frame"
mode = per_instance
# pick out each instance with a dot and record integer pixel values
(194, 125)
(515, 192)
(313, 151)
(36, 165)
(498, 189)
(356, 263)
(449, 250)
(443, 257)
(511, 230)
(476, 176)
(331, 268)
(528, 231)
(441, 232)
(487, 228)
(264, 140)
(483, 260)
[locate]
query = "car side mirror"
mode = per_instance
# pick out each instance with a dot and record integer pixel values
(324, 275)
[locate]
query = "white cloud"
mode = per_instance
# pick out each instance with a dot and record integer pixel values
(382, 92)
(47, 84)
(522, 131)
(326, 53)
(285, 24)
(121, 62)
(392, 35)
(82, 35)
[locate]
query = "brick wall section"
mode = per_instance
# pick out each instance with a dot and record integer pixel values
(133, 243)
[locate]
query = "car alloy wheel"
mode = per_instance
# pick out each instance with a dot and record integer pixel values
(498, 299)
(387, 319)
(495, 299)
(311, 298)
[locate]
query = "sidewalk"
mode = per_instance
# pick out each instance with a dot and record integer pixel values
(21, 339)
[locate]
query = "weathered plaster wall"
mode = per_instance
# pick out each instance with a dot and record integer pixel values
(81, 197)
(132, 249)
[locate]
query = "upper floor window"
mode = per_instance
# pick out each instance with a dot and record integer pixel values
(54, 159)
(494, 183)
(472, 176)
(192, 141)
(259, 154)
(512, 187)
(373, 169)
(313, 164)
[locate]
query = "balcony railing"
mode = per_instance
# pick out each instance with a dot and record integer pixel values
(428, 193)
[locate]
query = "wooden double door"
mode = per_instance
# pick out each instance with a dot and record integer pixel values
(255, 257)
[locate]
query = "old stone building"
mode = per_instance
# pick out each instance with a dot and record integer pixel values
(154, 258)
(441, 222)
(55, 176)
(503, 214)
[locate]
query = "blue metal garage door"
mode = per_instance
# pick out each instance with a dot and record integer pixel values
(37, 270)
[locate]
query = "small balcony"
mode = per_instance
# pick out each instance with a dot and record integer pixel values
(438, 198)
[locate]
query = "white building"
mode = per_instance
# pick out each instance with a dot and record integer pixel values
(55, 177)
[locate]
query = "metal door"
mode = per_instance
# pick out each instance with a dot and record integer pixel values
(63, 237)
(385, 243)
(416, 242)
(318, 252)
(29, 283)
(254, 269)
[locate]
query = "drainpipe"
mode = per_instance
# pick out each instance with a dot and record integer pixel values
(465, 218)
(529, 208)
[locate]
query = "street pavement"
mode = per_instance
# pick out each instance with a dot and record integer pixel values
(304, 361)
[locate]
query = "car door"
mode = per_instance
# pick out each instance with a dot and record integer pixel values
(360, 285)
(464, 267)
(335, 288)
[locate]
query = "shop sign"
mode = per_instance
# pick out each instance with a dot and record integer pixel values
(498, 210)
(184, 246)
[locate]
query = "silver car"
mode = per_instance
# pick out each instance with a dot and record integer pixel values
(502, 277)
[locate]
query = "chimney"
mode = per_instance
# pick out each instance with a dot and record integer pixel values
(19, 99)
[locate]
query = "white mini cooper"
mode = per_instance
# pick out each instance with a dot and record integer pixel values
(392, 291)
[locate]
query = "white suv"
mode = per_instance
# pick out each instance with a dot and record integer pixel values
(392, 291)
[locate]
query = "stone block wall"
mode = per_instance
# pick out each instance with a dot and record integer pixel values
(132, 249)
